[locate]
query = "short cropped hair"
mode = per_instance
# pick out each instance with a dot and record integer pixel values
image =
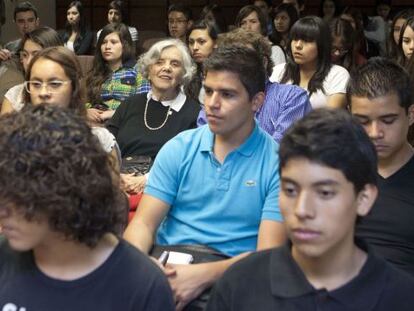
(52, 165)
(181, 8)
(242, 61)
(154, 53)
(335, 139)
(24, 7)
(243, 37)
(380, 77)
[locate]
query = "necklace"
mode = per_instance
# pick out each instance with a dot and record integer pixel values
(162, 124)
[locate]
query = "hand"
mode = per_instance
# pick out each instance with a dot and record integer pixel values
(105, 115)
(132, 183)
(5, 54)
(94, 115)
(187, 282)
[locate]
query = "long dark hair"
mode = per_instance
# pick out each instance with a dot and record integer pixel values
(101, 70)
(310, 29)
(83, 28)
(392, 47)
(217, 14)
(401, 59)
(343, 29)
(194, 87)
(291, 11)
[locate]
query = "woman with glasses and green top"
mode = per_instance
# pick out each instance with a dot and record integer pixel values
(32, 44)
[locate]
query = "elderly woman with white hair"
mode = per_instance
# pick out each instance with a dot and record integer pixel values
(145, 122)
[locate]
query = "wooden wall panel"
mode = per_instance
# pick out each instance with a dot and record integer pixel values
(151, 14)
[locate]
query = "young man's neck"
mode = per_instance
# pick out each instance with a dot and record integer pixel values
(64, 259)
(388, 166)
(223, 144)
(334, 269)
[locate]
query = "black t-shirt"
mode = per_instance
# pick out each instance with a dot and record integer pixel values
(134, 138)
(127, 280)
(389, 227)
(271, 280)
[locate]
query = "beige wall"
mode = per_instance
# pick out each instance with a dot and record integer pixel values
(47, 14)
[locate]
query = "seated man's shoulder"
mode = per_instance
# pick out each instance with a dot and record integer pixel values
(286, 95)
(188, 138)
(251, 269)
(398, 290)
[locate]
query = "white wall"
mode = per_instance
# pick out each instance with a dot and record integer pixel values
(47, 14)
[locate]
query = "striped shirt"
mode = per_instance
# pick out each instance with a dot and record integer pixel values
(283, 105)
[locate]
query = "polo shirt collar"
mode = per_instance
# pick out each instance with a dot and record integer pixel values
(246, 149)
(176, 103)
(288, 281)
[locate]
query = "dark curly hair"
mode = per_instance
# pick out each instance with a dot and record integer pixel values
(53, 165)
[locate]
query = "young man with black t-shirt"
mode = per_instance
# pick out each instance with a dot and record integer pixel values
(60, 211)
(325, 187)
(381, 98)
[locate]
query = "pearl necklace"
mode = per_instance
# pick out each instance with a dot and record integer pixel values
(169, 112)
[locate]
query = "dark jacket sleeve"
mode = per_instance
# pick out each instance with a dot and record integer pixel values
(84, 44)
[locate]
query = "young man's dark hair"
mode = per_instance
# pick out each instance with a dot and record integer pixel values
(316, 138)
(181, 8)
(61, 208)
(24, 7)
(242, 61)
(323, 266)
(379, 77)
(57, 183)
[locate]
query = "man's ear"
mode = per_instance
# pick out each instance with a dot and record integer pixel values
(411, 114)
(37, 22)
(366, 198)
(190, 24)
(257, 101)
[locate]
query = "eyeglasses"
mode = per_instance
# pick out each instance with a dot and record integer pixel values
(177, 21)
(51, 86)
(341, 51)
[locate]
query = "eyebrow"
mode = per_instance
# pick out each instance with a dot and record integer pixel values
(231, 90)
(324, 182)
(382, 116)
(48, 80)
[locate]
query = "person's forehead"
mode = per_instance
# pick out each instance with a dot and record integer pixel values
(25, 15)
(316, 172)
(223, 79)
(386, 104)
(260, 3)
(176, 14)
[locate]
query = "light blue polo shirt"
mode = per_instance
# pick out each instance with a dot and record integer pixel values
(213, 204)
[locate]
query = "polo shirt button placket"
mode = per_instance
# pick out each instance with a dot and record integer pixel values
(322, 298)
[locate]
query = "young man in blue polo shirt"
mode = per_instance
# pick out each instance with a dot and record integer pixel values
(216, 185)
(325, 187)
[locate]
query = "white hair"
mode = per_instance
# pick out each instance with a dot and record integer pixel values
(154, 53)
